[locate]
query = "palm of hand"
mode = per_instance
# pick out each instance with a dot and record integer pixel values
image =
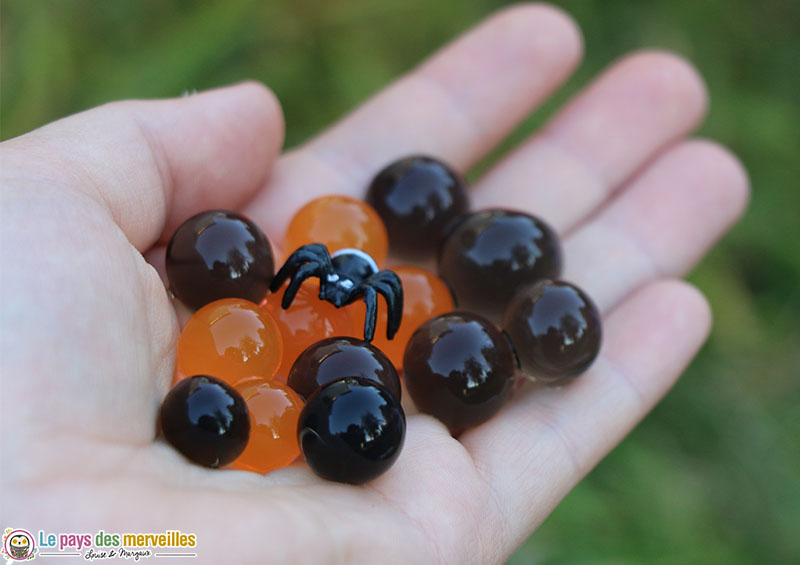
(89, 332)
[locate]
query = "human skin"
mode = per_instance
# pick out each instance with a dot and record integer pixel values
(88, 331)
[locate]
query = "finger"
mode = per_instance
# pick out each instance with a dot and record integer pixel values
(633, 110)
(457, 105)
(535, 451)
(660, 224)
(154, 163)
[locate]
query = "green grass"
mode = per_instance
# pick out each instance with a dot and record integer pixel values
(712, 475)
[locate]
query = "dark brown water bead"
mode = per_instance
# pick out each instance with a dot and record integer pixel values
(206, 419)
(493, 253)
(336, 358)
(459, 368)
(351, 430)
(555, 329)
(417, 198)
(219, 254)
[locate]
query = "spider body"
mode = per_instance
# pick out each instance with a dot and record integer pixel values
(345, 277)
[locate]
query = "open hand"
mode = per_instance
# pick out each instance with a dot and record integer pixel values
(89, 333)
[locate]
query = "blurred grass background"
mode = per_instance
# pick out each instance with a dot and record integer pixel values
(713, 475)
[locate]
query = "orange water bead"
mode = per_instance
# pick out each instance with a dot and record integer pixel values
(307, 321)
(230, 339)
(274, 411)
(339, 222)
(424, 296)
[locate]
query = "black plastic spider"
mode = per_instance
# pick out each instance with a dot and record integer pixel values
(344, 277)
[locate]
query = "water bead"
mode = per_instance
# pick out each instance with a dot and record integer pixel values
(307, 321)
(206, 420)
(339, 222)
(218, 254)
(351, 430)
(231, 339)
(339, 357)
(491, 254)
(418, 198)
(459, 368)
(555, 329)
(274, 412)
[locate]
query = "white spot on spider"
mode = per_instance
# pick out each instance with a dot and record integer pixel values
(346, 284)
(332, 278)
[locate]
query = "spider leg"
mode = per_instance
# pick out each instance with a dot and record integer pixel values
(394, 310)
(371, 317)
(315, 252)
(311, 269)
(388, 285)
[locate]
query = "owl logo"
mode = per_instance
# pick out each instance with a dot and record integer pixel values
(18, 545)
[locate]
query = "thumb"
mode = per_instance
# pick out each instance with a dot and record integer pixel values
(153, 164)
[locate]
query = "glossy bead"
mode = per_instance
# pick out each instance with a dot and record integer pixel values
(418, 198)
(339, 222)
(307, 321)
(459, 368)
(555, 329)
(424, 296)
(274, 412)
(351, 430)
(491, 254)
(339, 357)
(232, 339)
(218, 254)
(206, 420)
